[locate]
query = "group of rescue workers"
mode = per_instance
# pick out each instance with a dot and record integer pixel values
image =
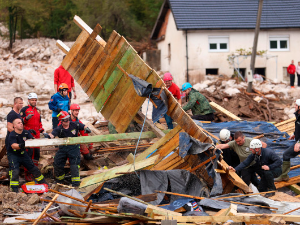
(246, 156)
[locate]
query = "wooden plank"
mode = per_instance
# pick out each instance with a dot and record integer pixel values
(168, 147)
(67, 61)
(89, 139)
(112, 81)
(62, 46)
(107, 57)
(114, 173)
(285, 122)
(224, 111)
(291, 181)
(295, 188)
(159, 143)
(161, 211)
(176, 164)
(163, 163)
(86, 28)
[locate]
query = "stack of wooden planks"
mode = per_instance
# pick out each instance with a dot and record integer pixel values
(287, 126)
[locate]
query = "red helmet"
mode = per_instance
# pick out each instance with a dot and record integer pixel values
(167, 77)
(74, 106)
(63, 115)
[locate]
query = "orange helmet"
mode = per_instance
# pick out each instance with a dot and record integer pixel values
(63, 115)
(74, 106)
(63, 86)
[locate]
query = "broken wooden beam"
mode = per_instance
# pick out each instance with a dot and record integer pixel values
(224, 111)
(89, 139)
(291, 181)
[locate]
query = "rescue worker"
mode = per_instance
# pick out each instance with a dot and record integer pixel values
(32, 122)
(241, 145)
(294, 150)
(59, 102)
(12, 115)
(67, 129)
(174, 89)
(266, 164)
(199, 105)
(229, 156)
(84, 150)
(17, 156)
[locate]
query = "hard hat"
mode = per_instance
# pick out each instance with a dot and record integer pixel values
(298, 102)
(255, 143)
(63, 86)
(32, 95)
(186, 86)
(224, 135)
(63, 115)
(167, 76)
(74, 106)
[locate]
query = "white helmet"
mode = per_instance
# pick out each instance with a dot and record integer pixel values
(255, 143)
(298, 102)
(224, 135)
(32, 95)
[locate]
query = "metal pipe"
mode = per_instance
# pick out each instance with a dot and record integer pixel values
(187, 57)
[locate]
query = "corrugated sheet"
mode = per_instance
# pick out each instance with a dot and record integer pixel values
(235, 14)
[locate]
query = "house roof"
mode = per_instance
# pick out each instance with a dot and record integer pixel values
(230, 14)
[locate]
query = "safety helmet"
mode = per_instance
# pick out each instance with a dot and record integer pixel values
(63, 115)
(224, 135)
(63, 86)
(186, 86)
(167, 77)
(32, 95)
(298, 102)
(74, 106)
(255, 143)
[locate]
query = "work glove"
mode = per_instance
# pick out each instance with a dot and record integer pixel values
(87, 130)
(41, 130)
(46, 135)
(22, 146)
(59, 109)
(32, 131)
(29, 117)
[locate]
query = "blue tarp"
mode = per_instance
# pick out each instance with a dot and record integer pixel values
(276, 140)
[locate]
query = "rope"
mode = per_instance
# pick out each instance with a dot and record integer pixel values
(140, 137)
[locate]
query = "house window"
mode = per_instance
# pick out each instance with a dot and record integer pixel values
(218, 43)
(279, 43)
(212, 71)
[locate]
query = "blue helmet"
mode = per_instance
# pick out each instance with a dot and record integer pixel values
(186, 86)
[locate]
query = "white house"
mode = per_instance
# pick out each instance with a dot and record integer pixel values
(198, 36)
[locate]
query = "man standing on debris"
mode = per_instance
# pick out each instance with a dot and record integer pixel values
(241, 146)
(229, 156)
(67, 129)
(63, 76)
(12, 115)
(291, 70)
(84, 149)
(174, 89)
(17, 155)
(32, 122)
(199, 105)
(294, 150)
(266, 164)
(59, 102)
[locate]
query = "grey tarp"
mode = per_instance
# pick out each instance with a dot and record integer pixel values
(142, 87)
(181, 181)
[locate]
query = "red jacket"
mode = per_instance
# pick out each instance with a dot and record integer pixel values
(291, 69)
(34, 122)
(63, 76)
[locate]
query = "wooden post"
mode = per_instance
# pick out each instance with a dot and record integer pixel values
(45, 210)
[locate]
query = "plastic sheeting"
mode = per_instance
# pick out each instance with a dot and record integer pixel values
(276, 140)
(127, 205)
(181, 181)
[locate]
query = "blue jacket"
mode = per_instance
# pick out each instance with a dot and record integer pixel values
(58, 101)
(267, 157)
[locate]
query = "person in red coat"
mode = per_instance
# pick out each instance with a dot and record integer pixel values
(63, 76)
(174, 89)
(32, 122)
(291, 70)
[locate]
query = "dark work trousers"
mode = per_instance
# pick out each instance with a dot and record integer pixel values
(290, 153)
(292, 79)
(298, 79)
(249, 177)
(17, 159)
(169, 121)
(64, 152)
(230, 157)
(207, 117)
(55, 122)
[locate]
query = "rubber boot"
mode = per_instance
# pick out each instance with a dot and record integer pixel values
(286, 167)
